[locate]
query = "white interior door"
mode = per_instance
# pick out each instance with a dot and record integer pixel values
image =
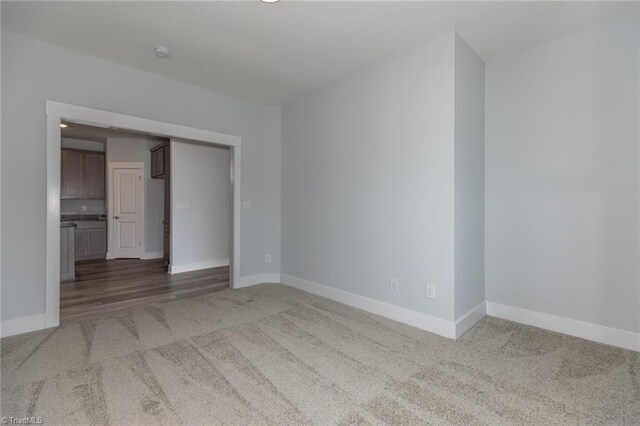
(127, 212)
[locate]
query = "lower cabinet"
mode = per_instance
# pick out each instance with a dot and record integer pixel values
(96, 242)
(67, 254)
(91, 240)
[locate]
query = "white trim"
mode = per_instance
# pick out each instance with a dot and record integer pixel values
(235, 172)
(585, 330)
(52, 307)
(136, 165)
(406, 316)
(470, 319)
(152, 255)
(96, 117)
(250, 280)
(58, 111)
(23, 325)
(215, 263)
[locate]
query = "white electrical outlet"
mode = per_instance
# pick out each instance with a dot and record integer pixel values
(393, 284)
(267, 258)
(430, 291)
(84, 208)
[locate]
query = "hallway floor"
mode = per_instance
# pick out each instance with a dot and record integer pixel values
(103, 286)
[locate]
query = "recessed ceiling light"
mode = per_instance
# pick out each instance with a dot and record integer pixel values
(270, 1)
(162, 52)
(63, 125)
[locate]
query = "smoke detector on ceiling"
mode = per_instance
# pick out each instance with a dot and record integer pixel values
(162, 52)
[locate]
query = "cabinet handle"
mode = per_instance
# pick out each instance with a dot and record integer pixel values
(116, 217)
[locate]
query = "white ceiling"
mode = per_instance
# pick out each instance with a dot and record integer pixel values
(274, 53)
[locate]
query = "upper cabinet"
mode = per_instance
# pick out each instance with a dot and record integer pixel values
(94, 175)
(159, 161)
(72, 184)
(82, 175)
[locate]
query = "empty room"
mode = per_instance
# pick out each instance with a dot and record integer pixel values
(320, 212)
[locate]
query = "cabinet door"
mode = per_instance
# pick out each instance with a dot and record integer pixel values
(96, 242)
(64, 253)
(67, 254)
(80, 239)
(94, 176)
(154, 156)
(160, 162)
(72, 167)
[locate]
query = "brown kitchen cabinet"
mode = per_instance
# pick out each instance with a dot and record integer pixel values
(82, 175)
(90, 240)
(160, 169)
(94, 175)
(72, 166)
(159, 158)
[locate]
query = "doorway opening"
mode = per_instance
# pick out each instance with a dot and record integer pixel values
(119, 245)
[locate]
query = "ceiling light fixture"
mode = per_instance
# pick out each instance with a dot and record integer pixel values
(270, 1)
(64, 126)
(162, 52)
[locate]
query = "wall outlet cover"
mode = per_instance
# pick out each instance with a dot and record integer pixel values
(393, 284)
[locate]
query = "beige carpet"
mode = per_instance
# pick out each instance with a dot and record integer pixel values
(274, 355)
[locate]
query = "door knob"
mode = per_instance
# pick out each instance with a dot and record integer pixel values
(116, 217)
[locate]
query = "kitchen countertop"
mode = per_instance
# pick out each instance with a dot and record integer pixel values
(67, 225)
(81, 217)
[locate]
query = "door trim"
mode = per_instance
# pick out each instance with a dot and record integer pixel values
(56, 112)
(110, 224)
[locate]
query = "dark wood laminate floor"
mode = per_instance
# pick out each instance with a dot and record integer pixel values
(112, 285)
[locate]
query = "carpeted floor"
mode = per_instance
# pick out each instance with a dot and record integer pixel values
(272, 354)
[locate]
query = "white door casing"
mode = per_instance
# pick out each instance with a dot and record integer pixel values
(126, 200)
(56, 112)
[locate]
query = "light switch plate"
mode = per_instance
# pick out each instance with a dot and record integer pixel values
(430, 291)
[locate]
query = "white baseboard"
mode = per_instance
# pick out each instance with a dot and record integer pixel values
(216, 263)
(257, 279)
(406, 316)
(597, 333)
(152, 255)
(470, 319)
(23, 325)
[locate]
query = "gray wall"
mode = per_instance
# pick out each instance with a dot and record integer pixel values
(136, 149)
(562, 177)
(75, 207)
(200, 177)
(368, 181)
(128, 149)
(82, 144)
(33, 71)
(469, 179)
